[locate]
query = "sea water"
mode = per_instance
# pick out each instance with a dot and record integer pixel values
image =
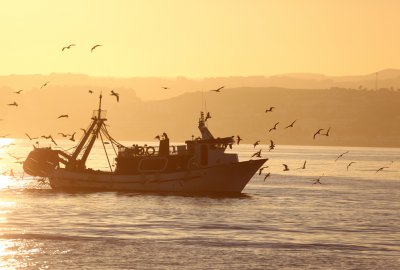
(289, 221)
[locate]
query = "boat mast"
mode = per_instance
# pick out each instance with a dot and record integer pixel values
(93, 131)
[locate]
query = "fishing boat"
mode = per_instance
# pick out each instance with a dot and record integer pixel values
(200, 166)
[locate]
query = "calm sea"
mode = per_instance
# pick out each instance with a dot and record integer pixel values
(350, 221)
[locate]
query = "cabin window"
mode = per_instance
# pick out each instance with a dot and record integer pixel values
(153, 164)
(204, 154)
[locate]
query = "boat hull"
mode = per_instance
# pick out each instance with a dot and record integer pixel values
(228, 178)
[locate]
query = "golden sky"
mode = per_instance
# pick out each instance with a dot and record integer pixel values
(204, 38)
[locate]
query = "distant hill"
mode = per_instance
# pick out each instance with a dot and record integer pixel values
(150, 88)
(356, 117)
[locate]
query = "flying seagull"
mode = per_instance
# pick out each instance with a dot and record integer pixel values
(72, 137)
(304, 166)
(18, 92)
(30, 138)
(327, 132)
(291, 125)
(257, 154)
(165, 87)
(256, 143)
(269, 110)
(67, 47)
(380, 169)
(271, 145)
(341, 155)
(115, 94)
(317, 180)
(286, 168)
(318, 132)
(238, 139)
(266, 176)
(13, 104)
(274, 127)
(348, 165)
(94, 47)
(45, 84)
(261, 169)
(218, 90)
(63, 116)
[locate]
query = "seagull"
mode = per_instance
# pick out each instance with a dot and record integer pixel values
(63, 116)
(304, 166)
(90, 91)
(13, 104)
(269, 110)
(115, 94)
(72, 137)
(266, 176)
(261, 169)
(64, 135)
(30, 138)
(45, 84)
(67, 47)
(256, 143)
(165, 87)
(18, 92)
(157, 137)
(84, 131)
(218, 90)
(286, 167)
(341, 155)
(238, 139)
(317, 181)
(291, 125)
(327, 132)
(257, 154)
(273, 128)
(381, 168)
(271, 145)
(350, 164)
(94, 47)
(318, 132)
(208, 116)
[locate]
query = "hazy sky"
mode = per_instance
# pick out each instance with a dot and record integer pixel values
(204, 38)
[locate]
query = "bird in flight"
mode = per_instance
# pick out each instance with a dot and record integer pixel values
(115, 94)
(266, 176)
(67, 47)
(257, 154)
(72, 137)
(286, 168)
(30, 138)
(238, 139)
(291, 125)
(64, 135)
(317, 180)
(381, 168)
(341, 155)
(43, 85)
(269, 110)
(256, 143)
(304, 166)
(318, 132)
(94, 47)
(261, 169)
(18, 92)
(165, 87)
(90, 91)
(271, 145)
(348, 165)
(218, 90)
(13, 104)
(63, 116)
(274, 127)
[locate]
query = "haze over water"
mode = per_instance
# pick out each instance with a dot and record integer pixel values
(351, 221)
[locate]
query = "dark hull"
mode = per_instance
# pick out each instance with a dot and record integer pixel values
(222, 179)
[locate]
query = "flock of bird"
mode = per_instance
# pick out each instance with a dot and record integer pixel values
(271, 146)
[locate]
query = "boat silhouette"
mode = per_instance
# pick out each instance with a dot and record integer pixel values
(200, 166)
